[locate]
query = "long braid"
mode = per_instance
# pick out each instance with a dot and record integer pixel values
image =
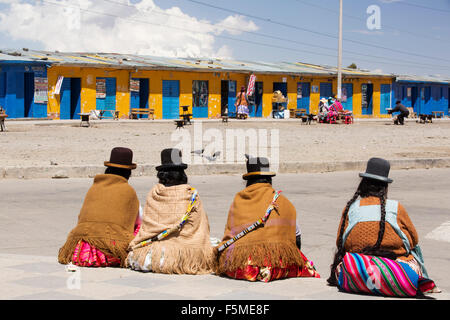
(340, 246)
(382, 198)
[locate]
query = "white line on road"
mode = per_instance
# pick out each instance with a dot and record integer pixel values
(441, 233)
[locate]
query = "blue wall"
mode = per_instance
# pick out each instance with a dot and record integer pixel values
(17, 89)
(424, 97)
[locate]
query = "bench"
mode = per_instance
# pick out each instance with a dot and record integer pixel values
(146, 111)
(3, 116)
(300, 112)
(437, 114)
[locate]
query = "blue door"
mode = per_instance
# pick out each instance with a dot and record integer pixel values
(366, 99)
(415, 99)
(347, 96)
(385, 98)
(303, 92)
(171, 99)
(231, 96)
(258, 99)
(70, 98)
(139, 99)
(200, 99)
(325, 90)
(64, 100)
(109, 101)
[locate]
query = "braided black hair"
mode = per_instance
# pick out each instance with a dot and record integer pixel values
(340, 252)
(366, 188)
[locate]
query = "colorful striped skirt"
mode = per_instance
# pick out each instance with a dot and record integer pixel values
(268, 273)
(87, 255)
(359, 273)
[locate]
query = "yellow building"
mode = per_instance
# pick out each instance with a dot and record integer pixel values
(80, 83)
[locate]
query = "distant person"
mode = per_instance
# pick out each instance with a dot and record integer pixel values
(404, 113)
(323, 110)
(377, 243)
(267, 252)
(242, 104)
(108, 219)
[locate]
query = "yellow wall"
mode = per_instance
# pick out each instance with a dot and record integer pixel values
(88, 91)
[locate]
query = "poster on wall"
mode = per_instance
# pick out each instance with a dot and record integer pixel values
(101, 89)
(408, 92)
(315, 89)
(251, 85)
(134, 85)
(40, 90)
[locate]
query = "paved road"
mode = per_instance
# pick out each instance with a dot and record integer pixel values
(36, 216)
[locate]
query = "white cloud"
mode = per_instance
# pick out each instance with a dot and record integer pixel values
(142, 28)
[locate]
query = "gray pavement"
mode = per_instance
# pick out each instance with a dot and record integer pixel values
(36, 216)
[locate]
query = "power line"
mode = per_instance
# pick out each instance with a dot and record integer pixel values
(279, 38)
(421, 6)
(221, 36)
(312, 31)
(419, 35)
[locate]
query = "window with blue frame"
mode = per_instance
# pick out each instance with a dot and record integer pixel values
(200, 98)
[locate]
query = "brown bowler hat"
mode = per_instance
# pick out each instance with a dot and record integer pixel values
(121, 158)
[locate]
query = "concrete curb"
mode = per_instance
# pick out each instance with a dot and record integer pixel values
(89, 171)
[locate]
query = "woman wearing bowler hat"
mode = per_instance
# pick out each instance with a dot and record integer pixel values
(270, 251)
(377, 243)
(108, 219)
(186, 249)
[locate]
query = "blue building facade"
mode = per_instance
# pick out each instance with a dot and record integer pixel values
(423, 95)
(23, 88)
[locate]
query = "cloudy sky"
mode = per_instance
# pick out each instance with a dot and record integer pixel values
(393, 36)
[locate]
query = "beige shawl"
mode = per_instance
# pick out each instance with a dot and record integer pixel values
(188, 251)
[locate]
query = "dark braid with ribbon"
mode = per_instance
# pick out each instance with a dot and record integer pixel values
(340, 252)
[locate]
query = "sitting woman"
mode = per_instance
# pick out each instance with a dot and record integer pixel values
(270, 250)
(377, 244)
(166, 241)
(109, 217)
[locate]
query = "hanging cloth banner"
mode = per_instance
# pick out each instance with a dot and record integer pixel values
(59, 84)
(251, 85)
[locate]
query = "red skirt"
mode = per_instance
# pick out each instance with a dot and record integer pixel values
(86, 255)
(269, 273)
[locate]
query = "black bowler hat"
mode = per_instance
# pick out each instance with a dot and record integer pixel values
(257, 166)
(171, 159)
(377, 169)
(121, 158)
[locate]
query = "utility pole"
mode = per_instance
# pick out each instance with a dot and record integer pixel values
(339, 80)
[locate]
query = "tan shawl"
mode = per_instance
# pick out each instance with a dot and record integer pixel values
(268, 244)
(106, 220)
(186, 252)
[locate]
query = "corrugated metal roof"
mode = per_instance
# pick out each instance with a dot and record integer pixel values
(414, 78)
(153, 62)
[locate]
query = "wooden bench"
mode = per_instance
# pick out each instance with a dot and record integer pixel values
(437, 114)
(146, 111)
(3, 116)
(300, 112)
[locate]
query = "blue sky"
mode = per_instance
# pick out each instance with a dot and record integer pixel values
(414, 37)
